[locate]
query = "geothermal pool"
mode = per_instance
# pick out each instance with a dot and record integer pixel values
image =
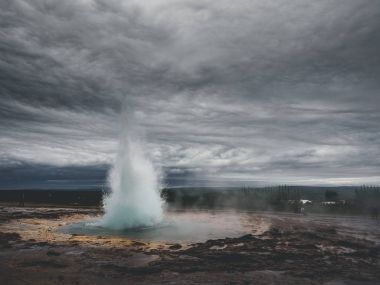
(180, 226)
(189, 226)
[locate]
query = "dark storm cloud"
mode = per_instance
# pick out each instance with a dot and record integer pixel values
(275, 91)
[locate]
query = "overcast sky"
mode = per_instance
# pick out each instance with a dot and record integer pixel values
(225, 92)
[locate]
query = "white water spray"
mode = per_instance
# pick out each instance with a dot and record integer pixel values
(135, 200)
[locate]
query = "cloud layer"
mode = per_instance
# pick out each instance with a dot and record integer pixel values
(249, 92)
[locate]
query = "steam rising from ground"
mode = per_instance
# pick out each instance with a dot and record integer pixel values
(135, 200)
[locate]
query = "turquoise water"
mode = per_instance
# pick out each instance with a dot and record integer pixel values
(193, 226)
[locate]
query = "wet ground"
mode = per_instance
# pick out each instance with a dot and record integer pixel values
(52, 246)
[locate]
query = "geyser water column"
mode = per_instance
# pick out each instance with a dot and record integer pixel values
(135, 199)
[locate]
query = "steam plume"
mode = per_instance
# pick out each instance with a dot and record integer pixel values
(135, 200)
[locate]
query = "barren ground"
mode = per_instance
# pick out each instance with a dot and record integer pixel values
(277, 249)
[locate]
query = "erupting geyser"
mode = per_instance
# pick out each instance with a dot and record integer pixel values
(135, 200)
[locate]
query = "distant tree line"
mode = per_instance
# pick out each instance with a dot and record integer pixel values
(347, 200)
(52, 197)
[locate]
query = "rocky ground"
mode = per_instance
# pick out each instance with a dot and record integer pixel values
(290, 251)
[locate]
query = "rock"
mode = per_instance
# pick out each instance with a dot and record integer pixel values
(175, 246)
(274, 232)
(53, 253)
(138, 243)
(188, 257)
(248, 237)
(7, 238)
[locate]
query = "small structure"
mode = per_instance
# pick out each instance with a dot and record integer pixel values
(301, 202)
(328, 203)
(298, 206)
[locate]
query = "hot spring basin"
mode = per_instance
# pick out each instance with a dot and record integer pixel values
(177, 226)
